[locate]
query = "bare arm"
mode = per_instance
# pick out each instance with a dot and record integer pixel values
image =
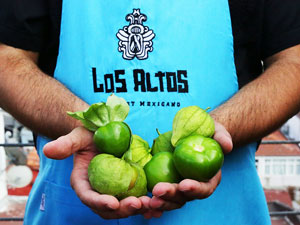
(35, 99)
(257, 109)
(266, 103)
(40, 102)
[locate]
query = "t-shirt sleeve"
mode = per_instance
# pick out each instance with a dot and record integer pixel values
(24, 23)
(281, 26)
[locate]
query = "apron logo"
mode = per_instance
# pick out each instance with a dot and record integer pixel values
(135, 40)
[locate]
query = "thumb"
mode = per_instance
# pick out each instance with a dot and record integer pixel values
(223, 137)
(65, 146)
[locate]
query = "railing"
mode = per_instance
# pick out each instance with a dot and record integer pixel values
(11, 219)
(285, 213)
(16, 145)
(280, 142)
(262, 142)
(272, 214)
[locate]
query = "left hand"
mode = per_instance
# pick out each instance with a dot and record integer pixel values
(167, 196)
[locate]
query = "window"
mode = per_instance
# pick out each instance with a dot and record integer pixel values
(298, 167)
(290, 169)
(267, 169)
(290, 166)
(279, 166)
(267, 166)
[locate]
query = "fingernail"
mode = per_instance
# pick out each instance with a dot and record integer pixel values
(112, 207)
(162, 194)
(185, 189)
(133, 206)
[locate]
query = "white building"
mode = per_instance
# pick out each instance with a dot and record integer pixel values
(278, 165)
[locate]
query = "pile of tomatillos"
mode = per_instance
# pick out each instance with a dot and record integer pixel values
(127, 166)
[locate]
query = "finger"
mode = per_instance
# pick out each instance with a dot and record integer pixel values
(128, 207)
(223, 137)
(166, 196)
(169, 192)
(199, 190)
(152, 213)
(145, 200)
(147, 212)
(65, 146)
(107, 214)
(156, 213)
(159, 204)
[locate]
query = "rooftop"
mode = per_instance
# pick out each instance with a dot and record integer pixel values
(282, 196)
(278, 149)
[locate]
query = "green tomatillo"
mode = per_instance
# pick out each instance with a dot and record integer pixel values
(100, 114)
(162, 143)
(197, 157)
(138, 187)
(161, 169)
(139, 151)
(113, 176)
(113, 138)
(191, 120)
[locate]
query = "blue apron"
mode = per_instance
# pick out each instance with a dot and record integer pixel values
(160, 56)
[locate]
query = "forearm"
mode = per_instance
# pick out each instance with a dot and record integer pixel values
(35, 99)
(266, 103)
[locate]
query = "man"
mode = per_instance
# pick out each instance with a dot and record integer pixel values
(155, 55)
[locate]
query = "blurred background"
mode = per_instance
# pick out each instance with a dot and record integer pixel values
(19, 166)
(277, 162)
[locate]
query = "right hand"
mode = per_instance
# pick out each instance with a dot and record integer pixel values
(80, 143)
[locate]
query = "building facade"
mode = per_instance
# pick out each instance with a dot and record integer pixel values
(278, 165)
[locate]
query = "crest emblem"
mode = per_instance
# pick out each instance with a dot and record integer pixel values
(135, 40)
